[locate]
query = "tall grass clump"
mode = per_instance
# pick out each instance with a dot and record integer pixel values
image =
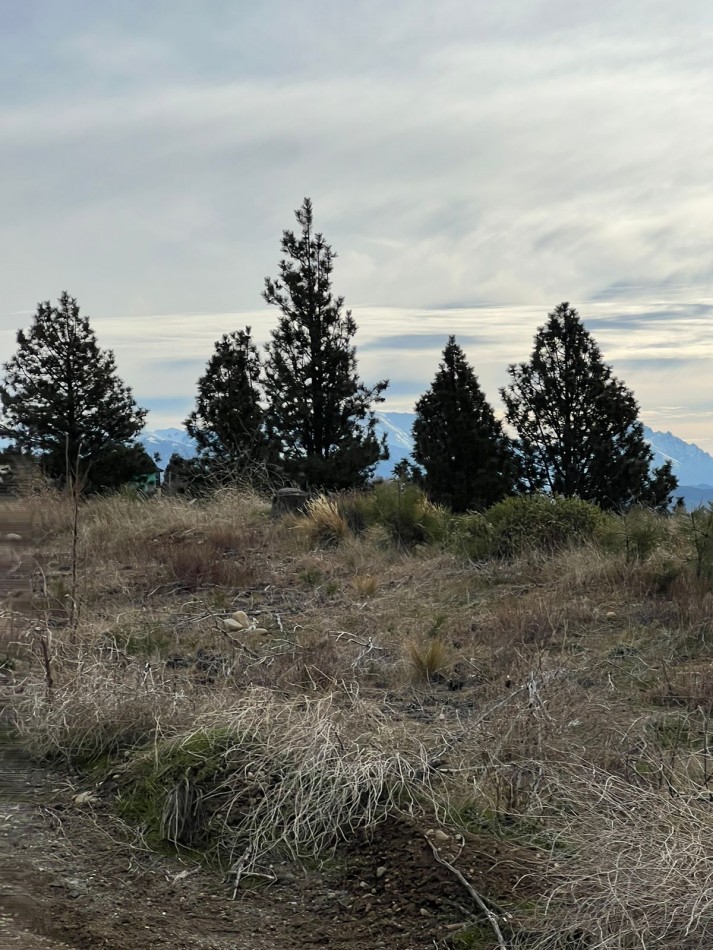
(275, 777)
(115, 710)
(542, 522)
(405, 512)
(323, 524)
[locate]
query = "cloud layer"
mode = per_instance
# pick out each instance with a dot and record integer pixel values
(473, 164)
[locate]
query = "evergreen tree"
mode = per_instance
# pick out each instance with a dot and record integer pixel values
(467, 459)
(228, 421)
(318, 409)
(118, 465)
(61, 397)
(578, 427)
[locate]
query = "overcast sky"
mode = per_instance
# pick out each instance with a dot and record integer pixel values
(473, 163)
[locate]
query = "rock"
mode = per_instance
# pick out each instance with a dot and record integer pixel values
(241, 619)
(85, 798)
(439, 835)
(13, 537)
(380, 872)
(423, 912)
(232, 624)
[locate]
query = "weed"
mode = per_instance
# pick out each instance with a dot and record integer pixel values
(366, 585)
(428, 660)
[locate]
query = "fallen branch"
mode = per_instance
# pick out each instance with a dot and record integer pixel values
(492, 919)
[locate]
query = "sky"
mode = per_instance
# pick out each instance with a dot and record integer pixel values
(472, 163)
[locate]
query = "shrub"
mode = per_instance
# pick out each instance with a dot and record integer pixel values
(406, 513)
(470, 535)
(697, 529)
(542, 522)
(636, 533)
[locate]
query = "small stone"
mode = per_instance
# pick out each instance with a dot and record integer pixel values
(380, 872)
(13, 537)
(85, 798)
(232, 624)
(241, 618)
(441, 835)
(363, 884)
(423, 912)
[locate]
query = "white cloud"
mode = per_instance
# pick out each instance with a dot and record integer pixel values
(508, 155)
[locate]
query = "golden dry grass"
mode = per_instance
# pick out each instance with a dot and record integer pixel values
(545, 684)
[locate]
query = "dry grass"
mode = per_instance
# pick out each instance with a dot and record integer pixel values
(428, 660)
(633, 867)
(568, 695)
(290, 778)
(324, 525)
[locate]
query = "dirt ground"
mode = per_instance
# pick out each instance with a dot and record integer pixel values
(72, 876)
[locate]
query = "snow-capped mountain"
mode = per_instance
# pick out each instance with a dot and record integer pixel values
(167, 441)
(691, 465)
(396, 426)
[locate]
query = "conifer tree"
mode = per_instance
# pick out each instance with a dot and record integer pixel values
(467, 459)
(318, 410)
(578, 427)
(61, 397)
(227, 423)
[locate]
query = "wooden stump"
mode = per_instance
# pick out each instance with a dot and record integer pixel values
(286, 500)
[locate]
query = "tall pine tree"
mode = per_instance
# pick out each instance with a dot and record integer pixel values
(578, 427)
(61, 397)
(227, 423)
(466, 457)
(319, 411)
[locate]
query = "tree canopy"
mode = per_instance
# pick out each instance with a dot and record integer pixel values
(577, 425)
(317, 408)
(467, 459)
(61, 396)
(228, 422)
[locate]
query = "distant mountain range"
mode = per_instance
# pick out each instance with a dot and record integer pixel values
(692, 465)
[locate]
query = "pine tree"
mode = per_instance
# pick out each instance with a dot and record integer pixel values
(228, 421)
(578, 427)
(61, 397)
(318, 409)
(466, 457)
